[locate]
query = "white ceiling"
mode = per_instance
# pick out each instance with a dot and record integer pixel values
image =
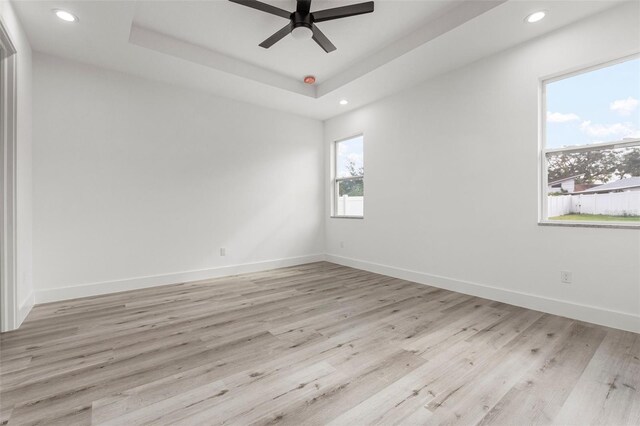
(213, 45)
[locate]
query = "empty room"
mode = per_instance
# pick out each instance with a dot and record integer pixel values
(320, 212)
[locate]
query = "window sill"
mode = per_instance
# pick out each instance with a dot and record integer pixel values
(346, 217)
(610, 225)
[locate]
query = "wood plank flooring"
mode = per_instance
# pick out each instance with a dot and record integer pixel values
(309, 345)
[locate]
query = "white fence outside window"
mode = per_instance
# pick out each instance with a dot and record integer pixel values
(612, 204)
(350, 206)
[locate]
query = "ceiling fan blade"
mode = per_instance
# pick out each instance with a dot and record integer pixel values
(342, 12)
(303, 7)
(264, 7)
(276, 37)
(322, 40)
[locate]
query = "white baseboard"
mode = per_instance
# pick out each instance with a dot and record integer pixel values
(106, 287)
(25, 308)
(592, 314)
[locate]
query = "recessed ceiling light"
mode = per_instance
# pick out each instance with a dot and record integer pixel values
(536, 16)
(344, 102)
(65, 16)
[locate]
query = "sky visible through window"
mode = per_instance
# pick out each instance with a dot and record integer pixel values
(594, 107)
(349, 152)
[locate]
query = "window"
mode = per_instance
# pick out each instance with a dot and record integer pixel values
(349, 178)
(591, 146)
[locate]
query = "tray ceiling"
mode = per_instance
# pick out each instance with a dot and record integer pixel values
(213, 45)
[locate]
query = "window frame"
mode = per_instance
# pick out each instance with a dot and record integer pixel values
(543, 151)
(335, 180)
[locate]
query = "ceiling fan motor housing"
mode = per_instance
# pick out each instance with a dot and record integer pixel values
(300, 20)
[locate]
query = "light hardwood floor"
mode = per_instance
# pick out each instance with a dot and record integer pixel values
(313, 344)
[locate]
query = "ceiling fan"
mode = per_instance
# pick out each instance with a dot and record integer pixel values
(302, 22)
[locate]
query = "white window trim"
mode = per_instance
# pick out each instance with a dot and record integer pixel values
(335, 180)
(543, 151)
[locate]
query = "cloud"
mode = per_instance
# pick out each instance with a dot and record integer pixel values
(558, 117)
(624, 106)
(617, 130)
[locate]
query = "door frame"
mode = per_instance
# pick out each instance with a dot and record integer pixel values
(8, 188)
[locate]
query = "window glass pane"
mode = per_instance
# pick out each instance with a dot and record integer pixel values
(594, 107)
(596, 186)
(350, 200)
(350, 158)
(351, 187)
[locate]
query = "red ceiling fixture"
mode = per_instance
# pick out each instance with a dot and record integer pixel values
(309, 79)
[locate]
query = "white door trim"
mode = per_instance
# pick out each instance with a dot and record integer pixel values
(8, 145)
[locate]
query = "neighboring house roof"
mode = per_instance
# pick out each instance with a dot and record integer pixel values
(617, 185)
(555, 182)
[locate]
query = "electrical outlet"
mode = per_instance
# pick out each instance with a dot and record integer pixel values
(341, 244)
(223, 251)
(565, 277)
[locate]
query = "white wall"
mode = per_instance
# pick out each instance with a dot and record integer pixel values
(137, 183)
(23, 155)
(477, 130)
